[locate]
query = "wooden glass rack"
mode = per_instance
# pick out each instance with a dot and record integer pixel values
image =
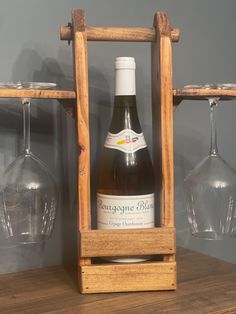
(37, 93)
(178, 94)
(199, 94)
(65, 97)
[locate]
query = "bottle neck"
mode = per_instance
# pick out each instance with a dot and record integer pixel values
(125, 82)
(125, 114)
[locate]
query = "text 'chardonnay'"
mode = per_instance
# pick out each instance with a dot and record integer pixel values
(125, 187)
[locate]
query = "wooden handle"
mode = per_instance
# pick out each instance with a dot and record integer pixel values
(147, 34)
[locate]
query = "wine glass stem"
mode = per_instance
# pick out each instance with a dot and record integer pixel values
(26, 122)
(213, 103)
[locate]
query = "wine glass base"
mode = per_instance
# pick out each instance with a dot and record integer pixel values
(211, 235)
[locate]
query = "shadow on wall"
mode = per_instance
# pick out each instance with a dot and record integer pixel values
(53, 141)
(187, 147)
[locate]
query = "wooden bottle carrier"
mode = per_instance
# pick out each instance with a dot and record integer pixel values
(152, 275)
(111, 277)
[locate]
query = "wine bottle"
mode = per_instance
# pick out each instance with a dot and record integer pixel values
(125, 186)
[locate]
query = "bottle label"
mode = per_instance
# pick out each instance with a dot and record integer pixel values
(126, 141)
(125, 212)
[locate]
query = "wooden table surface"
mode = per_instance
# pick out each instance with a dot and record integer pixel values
(205, 285)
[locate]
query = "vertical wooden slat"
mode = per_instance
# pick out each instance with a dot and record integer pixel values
(81, 88)
(162, 100)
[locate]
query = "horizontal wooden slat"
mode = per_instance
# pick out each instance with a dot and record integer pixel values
(201, 94)
(126, 242)
(128, 277)
(103, 33)
(37, 93)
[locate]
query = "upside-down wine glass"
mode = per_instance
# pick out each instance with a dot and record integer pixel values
(29, 192)
(211, 186)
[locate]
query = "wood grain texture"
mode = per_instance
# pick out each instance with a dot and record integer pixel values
(126, 277)
(162, 117)
(201, 94)
(37, 93)
(83, 134)
(108, 33)
(206, 285)
(95, 243)
(78, 21)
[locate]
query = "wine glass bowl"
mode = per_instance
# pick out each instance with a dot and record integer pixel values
(29, 190)
(30, 200)
(210, 187)
(211, 199)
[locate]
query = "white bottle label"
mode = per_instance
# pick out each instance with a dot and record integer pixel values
(126, 141)
(125, 212)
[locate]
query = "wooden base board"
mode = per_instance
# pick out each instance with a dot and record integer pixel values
(148, 276)
(127, 242)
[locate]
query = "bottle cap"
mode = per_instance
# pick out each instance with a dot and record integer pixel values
(125, 63)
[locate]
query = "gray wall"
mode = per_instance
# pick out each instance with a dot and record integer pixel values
(31, 50)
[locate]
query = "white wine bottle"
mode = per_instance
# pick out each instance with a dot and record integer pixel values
(125, 185)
